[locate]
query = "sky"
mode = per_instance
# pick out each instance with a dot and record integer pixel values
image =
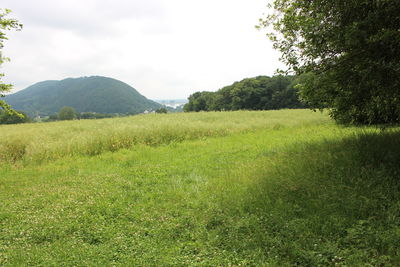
(165, 49)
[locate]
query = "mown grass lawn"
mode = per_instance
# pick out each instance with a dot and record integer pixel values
(266, 192)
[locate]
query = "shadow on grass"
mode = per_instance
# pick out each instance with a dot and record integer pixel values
(335, 203)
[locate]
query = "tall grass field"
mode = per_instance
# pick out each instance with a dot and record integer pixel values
(267, 188)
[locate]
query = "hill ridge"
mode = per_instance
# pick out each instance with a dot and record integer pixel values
(85, 94)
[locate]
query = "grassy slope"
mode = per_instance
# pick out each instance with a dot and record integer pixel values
(298, 193)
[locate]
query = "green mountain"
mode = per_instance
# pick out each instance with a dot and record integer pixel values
(86, 94)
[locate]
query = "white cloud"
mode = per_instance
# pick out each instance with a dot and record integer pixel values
(165, 49)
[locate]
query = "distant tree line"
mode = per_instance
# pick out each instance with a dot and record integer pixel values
(65, 113)
(259, 93)
(69, 113)
(161, 110)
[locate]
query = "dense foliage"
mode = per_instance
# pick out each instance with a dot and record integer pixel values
(67, 113)
(93, 115)
(162, 110)
(6, 24)
(350, 51)
(87, 94)
(260, 93)
(13, 117)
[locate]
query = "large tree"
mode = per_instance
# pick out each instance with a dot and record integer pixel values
(5, 25)
(67, 113)
(348, 52)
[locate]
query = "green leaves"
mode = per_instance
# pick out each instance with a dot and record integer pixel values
(351, 47)
(67, 113)
(259, 93)
(6, 24)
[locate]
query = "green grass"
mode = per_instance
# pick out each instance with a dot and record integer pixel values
(284, 188)
(37, 143)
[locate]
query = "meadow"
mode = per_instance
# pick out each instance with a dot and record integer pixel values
(267, 188)
(50, 141)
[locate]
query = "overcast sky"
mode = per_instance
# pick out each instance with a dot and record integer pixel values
(166, 49)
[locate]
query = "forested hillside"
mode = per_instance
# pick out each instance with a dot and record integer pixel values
(85, 94)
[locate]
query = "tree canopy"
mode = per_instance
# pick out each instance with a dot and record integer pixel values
(13, 117)
(6, 24)
(67, 113)
(259, 93)
(348, 52)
